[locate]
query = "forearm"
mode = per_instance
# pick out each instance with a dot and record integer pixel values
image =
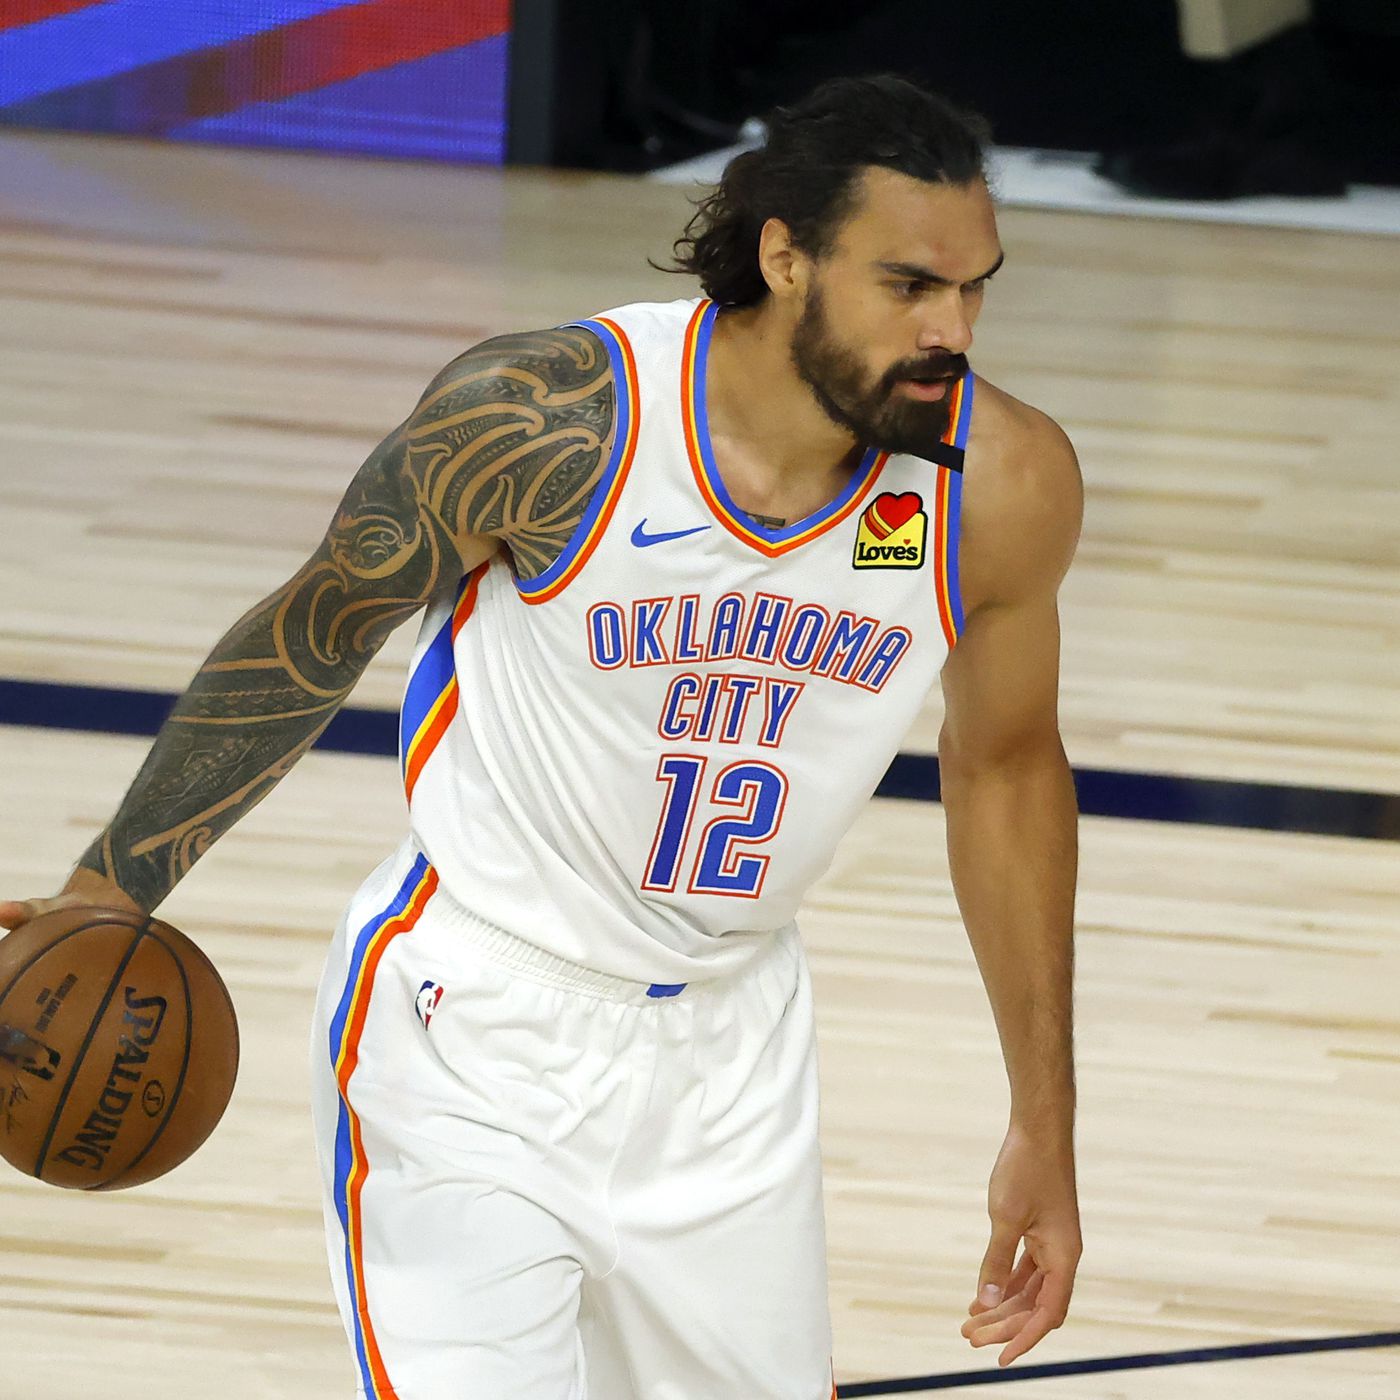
(254, 707)
(1013, 854)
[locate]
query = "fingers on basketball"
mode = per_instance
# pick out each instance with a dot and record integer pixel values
(14, 912)
(122, 1042)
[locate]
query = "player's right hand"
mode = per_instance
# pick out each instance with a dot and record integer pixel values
(14, 912)
(85, 887)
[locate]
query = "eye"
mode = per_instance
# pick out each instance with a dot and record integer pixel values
(907, 290)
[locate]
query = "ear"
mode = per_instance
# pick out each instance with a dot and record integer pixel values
(784, 266)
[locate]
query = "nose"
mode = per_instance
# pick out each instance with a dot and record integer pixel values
(948, 326)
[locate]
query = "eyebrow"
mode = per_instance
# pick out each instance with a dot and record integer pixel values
(915, 273)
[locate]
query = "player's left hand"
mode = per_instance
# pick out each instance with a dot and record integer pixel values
(1032, 1197)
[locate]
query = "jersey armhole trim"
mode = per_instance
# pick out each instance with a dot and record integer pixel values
(562, 572)
(949, 521)
(430, 698)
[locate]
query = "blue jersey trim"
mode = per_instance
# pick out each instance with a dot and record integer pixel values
(601, 493)
(343, 1154)
(430, 677)
(860, 478)
(955, 485)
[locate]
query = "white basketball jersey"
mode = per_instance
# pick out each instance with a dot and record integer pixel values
(642, 759)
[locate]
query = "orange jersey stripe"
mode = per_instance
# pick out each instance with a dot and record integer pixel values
(690, 421)
(429, 736)
(941, 540)
(689, 361)
(359, 1168)
(692, 429)
(629, 448)
(940, 558)
(862, 491)
(436, 721)
(466, 604)
(950, 433)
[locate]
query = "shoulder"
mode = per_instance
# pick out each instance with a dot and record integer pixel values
(510, 439)
(1023, 501)
(521, 365)
(577, 350)
(485, 408)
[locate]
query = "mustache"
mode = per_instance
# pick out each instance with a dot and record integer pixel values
(931, 367)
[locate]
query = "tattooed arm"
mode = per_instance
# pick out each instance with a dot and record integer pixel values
(502, 453)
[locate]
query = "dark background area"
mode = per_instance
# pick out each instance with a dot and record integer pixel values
(642, 83)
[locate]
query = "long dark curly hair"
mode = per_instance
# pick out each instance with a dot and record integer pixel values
(805, 174)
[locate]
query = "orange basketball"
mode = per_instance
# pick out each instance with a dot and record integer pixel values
(118, 1048)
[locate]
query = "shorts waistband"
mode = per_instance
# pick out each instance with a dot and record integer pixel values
(517, 954)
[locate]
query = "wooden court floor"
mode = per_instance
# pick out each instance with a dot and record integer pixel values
(196, 349)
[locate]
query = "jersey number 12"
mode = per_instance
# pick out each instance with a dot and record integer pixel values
(758, 790)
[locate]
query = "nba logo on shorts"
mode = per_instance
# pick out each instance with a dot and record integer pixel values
(429, 994)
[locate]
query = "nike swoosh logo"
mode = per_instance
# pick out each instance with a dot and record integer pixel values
(641, 539)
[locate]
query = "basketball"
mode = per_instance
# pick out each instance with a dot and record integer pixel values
(118, 1048)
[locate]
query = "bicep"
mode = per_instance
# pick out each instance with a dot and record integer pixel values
(511, 440)
(384, 554)
(390, 546)
(1001, 682)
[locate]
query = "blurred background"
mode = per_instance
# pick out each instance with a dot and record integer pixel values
(1210, 98)
(237, 237)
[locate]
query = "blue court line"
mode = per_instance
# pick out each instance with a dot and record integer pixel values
(1168, 797)
(916, 1385)
(1102, 792)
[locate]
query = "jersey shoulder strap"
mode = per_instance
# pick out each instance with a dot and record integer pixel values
(637, 339)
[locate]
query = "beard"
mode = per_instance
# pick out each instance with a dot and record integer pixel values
(877, 414)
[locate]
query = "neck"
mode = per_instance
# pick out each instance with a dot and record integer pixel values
(756, 397)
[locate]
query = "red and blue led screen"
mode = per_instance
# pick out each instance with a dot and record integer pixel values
(416, 78)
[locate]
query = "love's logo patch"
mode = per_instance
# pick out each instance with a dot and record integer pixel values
(891, 533)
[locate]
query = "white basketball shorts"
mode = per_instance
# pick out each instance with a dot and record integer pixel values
(543, 1183)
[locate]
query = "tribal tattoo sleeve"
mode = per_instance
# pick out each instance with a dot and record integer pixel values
(502, 452)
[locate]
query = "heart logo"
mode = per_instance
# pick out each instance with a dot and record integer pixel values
(887, 512)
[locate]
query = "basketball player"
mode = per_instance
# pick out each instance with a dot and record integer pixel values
(689, 570)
